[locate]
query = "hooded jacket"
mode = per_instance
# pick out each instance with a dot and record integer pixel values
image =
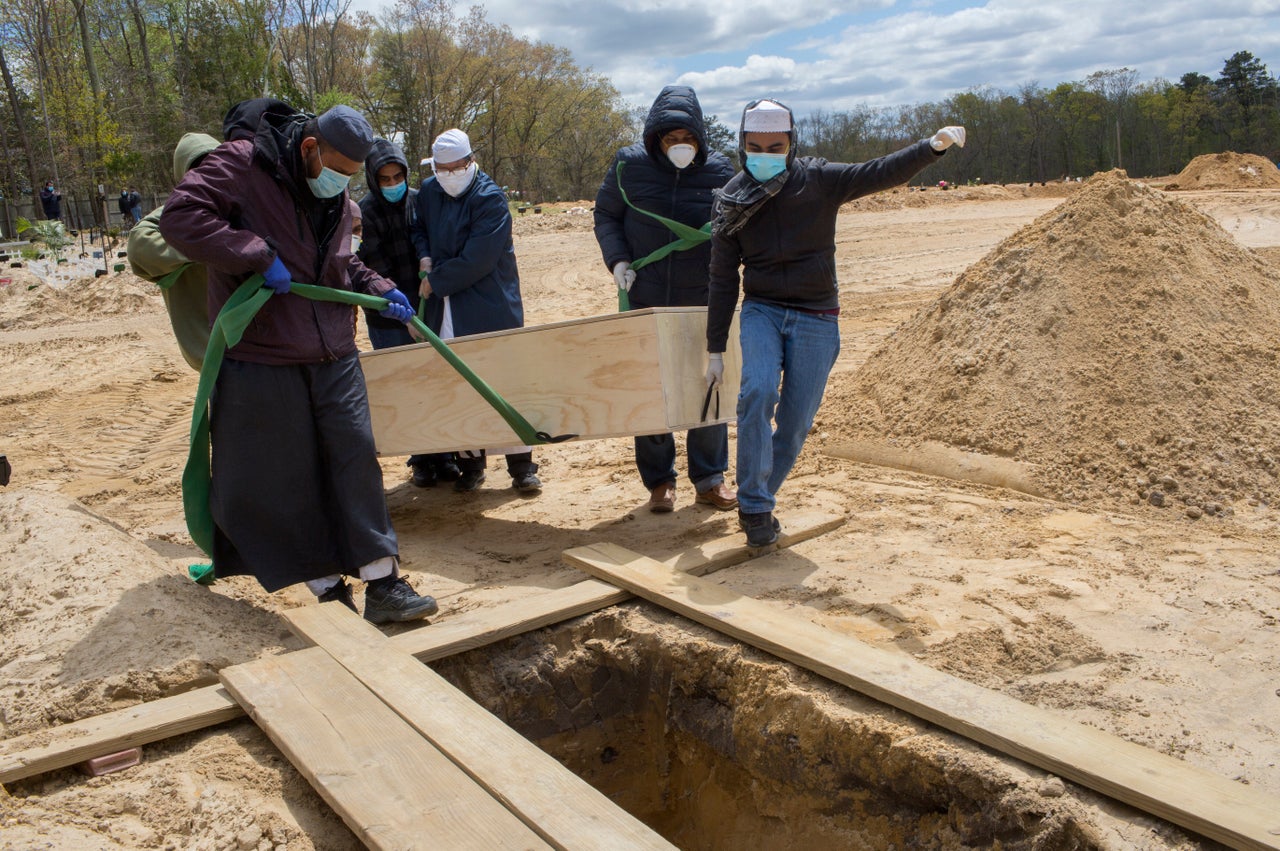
(655, 185)
(388, 246)
(473, 259)
(151, 258)
(247, 203)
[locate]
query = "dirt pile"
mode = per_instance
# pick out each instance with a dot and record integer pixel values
(1228, 171)
(28, 302)
(1123, 345)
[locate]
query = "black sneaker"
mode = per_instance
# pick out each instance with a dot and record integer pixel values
(526, 483)
(469, 481)
(342, 593)
(761, 528)
(423, 476)
(393, 599)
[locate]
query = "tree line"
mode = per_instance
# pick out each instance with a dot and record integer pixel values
(98, 93)
(1108, 120)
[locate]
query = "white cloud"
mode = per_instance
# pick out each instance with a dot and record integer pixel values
(807, 53)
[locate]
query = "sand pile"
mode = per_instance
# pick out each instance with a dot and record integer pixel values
(96, 620)
(27, 302)
(1123, 344)
(1228, 171)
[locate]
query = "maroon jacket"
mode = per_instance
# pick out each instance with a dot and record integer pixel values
(248, 200)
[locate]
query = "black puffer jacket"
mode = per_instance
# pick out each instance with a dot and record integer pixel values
(387, 246)
(653, 184)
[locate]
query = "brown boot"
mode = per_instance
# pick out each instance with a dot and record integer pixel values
(719, 496)
(662, 499)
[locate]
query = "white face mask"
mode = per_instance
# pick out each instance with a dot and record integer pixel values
(682, 155)
(456, 182)
(356, 242)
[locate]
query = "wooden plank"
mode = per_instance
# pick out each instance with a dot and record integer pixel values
(68, 744)
(485, 626)
(391, 787)
(640, 372)
(77, 741)
(1206, 803)
(552, 801)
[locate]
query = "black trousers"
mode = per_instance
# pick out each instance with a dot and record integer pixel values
(297, 489)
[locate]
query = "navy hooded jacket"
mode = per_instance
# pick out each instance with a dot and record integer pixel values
(473, 259)
(655, 185)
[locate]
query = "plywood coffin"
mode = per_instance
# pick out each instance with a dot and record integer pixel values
(641, 372)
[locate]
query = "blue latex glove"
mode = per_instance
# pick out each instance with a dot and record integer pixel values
(398, 307)
(278, 277)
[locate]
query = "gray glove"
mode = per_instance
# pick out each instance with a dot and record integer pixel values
(623, 276)
(715, 369)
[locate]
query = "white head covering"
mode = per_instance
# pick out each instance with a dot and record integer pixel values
(450, 146)
(767, 117)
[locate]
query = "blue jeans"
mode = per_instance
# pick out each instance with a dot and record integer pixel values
(707, 448)
(796, 349)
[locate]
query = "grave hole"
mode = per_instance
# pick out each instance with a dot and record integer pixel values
(718, 746)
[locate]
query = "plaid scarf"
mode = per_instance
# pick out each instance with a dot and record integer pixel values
(740, 199)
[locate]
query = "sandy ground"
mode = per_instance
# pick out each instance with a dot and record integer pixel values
(1148, 625)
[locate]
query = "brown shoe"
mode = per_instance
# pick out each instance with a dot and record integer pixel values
(662, 498)
(719, 496)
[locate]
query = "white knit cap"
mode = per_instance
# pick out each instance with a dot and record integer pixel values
(450, 146)
(767, 117)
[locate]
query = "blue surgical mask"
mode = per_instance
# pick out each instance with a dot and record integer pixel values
(395, 193)
(764, 167)
(329, 184)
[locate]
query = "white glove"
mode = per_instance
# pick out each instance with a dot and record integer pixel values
(623, 276)
(946, 137)
(424, 265)
(715, 369)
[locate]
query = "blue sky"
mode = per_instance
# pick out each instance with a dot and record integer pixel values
(819, 54)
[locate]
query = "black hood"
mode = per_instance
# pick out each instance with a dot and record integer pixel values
(242, 120)
(791, 134)
(676, 107)
(382, 153)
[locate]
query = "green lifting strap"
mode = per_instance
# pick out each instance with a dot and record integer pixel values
(690, 237)
(172, 278)
(227, 330)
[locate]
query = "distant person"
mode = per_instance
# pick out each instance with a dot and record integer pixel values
(776, 221)
(462, 236)
(51, 201)
(671, 173)
(123, 203)
(387, 248)
(297, 490)
(135, 206)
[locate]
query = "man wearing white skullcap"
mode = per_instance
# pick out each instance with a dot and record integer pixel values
(467, 262)
(775, 221)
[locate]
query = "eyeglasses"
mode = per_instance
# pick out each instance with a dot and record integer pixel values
(462, 166)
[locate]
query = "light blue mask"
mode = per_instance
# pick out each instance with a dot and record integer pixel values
(763, 167)
(329, 184)
(395, 193)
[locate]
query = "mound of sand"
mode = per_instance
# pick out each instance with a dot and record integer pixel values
(1228, 171)
(27, 302)
(96, 620)
(1123, 345)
